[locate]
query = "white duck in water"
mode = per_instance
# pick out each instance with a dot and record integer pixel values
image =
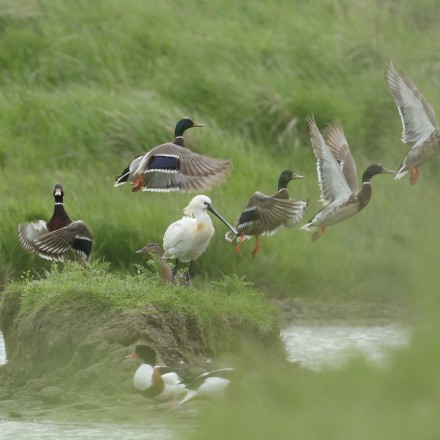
(214, 385)
(187, 238)
(337, 178)
(156, 382)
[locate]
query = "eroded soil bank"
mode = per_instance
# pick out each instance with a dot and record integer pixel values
(69, 362)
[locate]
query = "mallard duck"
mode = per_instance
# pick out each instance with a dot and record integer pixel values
(263, 214)
(165, 271)
(172, 167)
(60, 237)
(188, 238)
(420, 127)
(214, 385)
(156, 382)
(337, 178)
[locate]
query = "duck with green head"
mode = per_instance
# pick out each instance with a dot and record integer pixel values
(263, 214)
(172, 167)
(337, 178)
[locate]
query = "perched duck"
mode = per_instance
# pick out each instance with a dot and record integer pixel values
(156, 382)
(187, 238)
(263, 214)
(172, 167)
(214, 385)
(165, 271)
(420, 127)
(338, 179)
(60, 237)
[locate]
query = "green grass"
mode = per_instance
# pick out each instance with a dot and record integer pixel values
(86, 86)
(65, 286)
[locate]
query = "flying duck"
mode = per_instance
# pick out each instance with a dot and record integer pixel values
(172, 167)
(165, 271)
(337, 178)
(60, 237)
(187, 238)
(156, 382)
(263, 214)
(420, 127)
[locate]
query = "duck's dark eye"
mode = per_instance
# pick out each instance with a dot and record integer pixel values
(206, 203)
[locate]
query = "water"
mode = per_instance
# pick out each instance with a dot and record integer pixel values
(52, 431)
(313, 346)
(2, 350)
(330, 346)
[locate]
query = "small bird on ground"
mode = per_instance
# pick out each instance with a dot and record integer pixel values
(263, 214)
(187, 238)
(172, 167)
(165, 271)
(215, 385)
(156, 382)
(337, 178)
(420, 126)
(60, 237)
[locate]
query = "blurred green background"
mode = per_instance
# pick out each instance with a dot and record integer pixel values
(87, 85)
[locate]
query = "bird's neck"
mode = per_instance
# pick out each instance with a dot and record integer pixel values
(59, 218)
(178, 140)
(364, 194)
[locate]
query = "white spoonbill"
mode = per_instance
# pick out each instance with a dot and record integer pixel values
(187, 239)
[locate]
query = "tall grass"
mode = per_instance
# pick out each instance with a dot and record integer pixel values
(85, 86)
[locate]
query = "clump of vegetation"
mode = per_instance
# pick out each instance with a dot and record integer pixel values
(50, 321)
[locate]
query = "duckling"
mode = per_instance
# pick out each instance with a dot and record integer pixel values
(60, 237)
(263, 214)
(165, 271)
(337, 178)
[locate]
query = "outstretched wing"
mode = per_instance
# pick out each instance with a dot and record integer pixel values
(330, 176)
(418, 117)
(335, 139)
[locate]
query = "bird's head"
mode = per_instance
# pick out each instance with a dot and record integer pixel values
(184, 124)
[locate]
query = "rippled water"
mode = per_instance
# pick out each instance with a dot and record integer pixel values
(324, 346)
(51, 431)
(313, 346)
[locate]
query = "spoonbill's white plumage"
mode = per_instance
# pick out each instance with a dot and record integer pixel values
(187, 239)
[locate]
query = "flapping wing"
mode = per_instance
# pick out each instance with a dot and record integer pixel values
(28, 232)
(269, 213)
(330, 176)
(418, 117)
(75, 237)
(335, 139)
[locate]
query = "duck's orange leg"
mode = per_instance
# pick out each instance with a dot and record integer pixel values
(257, 247)
(240, 243)
(318, 233)
(137, 184)
(415, 173)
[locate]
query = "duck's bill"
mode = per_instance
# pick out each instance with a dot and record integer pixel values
(197, 124)
(143, 250)
(387, 171)
(211, 208)
(297, 176)
(131, 356)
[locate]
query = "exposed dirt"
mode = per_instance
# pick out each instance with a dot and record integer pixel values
(70, 364)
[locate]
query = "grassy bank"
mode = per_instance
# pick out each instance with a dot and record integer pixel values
(86, 86)
(67, 333)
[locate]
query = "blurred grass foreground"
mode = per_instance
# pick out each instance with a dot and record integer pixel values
(87, 85)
